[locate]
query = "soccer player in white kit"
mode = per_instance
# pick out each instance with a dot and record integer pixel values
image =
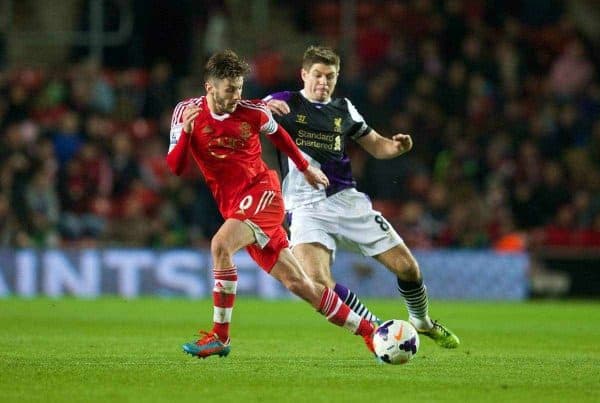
(322, 219)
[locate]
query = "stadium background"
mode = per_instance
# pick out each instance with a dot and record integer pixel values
(502, 98)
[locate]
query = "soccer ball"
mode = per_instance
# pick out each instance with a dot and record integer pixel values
(396, 341)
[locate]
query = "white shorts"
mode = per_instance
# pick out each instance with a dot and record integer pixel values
(347, 220)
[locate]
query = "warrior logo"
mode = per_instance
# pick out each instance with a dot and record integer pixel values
(301, 119)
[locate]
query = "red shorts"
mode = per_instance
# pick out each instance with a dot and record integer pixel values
(261, 207)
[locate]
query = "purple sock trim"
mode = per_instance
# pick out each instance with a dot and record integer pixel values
(341, 291)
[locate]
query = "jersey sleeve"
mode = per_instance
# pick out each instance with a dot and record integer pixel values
(268, 125)
(280, 138)
(176, 125)
(360, 128)
(280, 96)
(283, 142)
(178, 144)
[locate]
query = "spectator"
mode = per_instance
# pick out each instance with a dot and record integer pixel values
(571, 72)
(503, 103)
(67, 139)
(160, 94)
(43, 209)
(123, 165)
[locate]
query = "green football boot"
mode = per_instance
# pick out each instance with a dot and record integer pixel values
(441, 335)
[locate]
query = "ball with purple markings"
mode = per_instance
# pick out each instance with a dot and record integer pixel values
(396, 341)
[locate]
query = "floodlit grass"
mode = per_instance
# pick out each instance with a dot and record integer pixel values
(113, 350)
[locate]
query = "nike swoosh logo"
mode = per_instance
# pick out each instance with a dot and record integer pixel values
(398, 336)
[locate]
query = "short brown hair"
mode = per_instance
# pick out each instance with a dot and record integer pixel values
(320, 54)
(225, 64)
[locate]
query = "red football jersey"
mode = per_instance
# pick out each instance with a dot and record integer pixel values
(227, 147)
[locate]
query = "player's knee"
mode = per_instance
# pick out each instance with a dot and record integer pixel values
(219, 248)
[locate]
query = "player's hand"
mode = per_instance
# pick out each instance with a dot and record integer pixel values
(315, 177)
(403, 143)
(278, 107)
(189, 114)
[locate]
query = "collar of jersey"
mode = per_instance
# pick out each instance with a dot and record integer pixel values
(219, 117)
(214, 115)
(313, 102)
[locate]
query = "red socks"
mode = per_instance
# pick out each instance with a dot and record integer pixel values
(340, 314)
(223, 298)
(331, 307)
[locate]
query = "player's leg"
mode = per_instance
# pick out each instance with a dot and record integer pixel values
(401, 262)
(366, 230)
(231, 237)
(316, 259)
(312, 232)
(288, 271)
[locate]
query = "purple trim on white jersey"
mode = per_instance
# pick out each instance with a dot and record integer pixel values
(339, 174)
(280, 96)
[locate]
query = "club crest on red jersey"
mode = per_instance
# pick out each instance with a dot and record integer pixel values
(245, 130)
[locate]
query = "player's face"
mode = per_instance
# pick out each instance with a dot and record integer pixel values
(319, 81)
(224, 94)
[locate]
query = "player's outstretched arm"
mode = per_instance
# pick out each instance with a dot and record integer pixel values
(284, 143)
(385, 148)
(181, 129)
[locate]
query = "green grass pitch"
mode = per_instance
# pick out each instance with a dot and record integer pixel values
(113, 350)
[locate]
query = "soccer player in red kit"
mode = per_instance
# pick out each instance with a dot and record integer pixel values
(221, 133)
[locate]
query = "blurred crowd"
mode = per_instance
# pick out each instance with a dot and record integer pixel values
(83, 161)
(502, 101)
